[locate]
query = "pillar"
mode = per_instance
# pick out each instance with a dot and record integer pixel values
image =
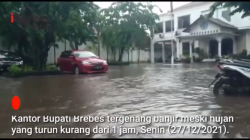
(234, 45)
(164, 27)
(191, 51)
(163, 53)
(219, 48)
(219, 39)
(181, 50)
(178, 49)
(152, 51)
(207, 47)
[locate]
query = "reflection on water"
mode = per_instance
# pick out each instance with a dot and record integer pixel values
(136, 90)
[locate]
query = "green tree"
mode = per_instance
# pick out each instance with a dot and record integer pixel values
(126, 24)
(45, 24)
(238, 7)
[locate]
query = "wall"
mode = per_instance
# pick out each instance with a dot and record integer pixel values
(244, 23)
(62, 46)
(241, 42)
(204, 44)
(133, 55)
(194, 13)
(248, 41)
(167, 35)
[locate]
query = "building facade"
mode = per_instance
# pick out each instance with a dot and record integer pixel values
(219, 35)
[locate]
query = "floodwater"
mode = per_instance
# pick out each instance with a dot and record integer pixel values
(135, 90)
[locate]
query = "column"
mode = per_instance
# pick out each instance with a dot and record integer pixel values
(207, 48)
(234, 45)
(152, 51)
(191, 51)
(219, 48)
(164, 27)
(178, 49)
(163, 52)
(181, 50)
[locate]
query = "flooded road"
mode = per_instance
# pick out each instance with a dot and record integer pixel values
(135, 90)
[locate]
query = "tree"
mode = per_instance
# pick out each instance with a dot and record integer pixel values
(98, 26)
(239, 7)
(126, 23)
(45, 24)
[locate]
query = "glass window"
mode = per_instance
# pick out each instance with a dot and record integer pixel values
(168, 26)
(183, 22)
(158, 28)
(84, 54)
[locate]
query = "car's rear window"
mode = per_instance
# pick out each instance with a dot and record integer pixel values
(84, 54)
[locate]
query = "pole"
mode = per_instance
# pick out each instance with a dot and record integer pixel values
(172, 37)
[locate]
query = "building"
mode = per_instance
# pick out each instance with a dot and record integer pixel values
(217, 36)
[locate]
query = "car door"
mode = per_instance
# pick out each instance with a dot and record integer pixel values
(61, 61)
(72, 62)
(68, 61)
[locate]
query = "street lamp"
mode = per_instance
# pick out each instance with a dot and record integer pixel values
(172, 37)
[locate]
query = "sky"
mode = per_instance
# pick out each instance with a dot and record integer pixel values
(164, 6)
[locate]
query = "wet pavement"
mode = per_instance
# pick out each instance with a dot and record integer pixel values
(135, 90)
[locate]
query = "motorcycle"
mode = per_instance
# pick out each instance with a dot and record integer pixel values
(234, 77)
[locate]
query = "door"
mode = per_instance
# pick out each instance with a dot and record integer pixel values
(64, 61)
(71, 63)
(60, 61)
(67, 61)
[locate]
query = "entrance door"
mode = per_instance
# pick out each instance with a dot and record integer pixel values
(227, 46)
(213, 48)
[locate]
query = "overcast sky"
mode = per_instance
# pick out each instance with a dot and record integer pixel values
(165, 6)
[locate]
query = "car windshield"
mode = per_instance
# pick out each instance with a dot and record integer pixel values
(84, 54)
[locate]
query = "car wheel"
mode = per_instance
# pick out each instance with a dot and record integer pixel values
(77, 71)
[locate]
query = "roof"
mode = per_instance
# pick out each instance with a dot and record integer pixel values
(186, 6)
(213, 20)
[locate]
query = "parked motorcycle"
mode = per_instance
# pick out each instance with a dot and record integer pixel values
(234, 77)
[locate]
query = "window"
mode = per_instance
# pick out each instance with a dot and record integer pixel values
(84, 54)
(183, 22)
(158, 28)
(168, 25)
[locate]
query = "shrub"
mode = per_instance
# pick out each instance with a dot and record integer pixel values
(28, 69)
(51, 67)
(15, 70)
(186, 59)
(197, 59)
(202, 54)
(241, 55)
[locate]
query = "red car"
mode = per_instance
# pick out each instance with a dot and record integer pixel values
(79, 61)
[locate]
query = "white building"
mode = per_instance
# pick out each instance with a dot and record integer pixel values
(217, 36)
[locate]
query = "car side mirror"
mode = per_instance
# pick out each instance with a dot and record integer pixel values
(71, 57)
